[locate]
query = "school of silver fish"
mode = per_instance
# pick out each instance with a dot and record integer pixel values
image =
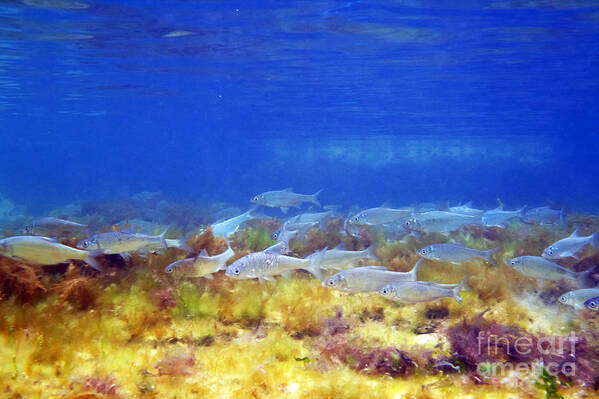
(337, 268)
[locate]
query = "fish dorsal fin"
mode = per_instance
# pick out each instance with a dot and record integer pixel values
(49, 239)
(288, 189)
(467, 205)
(127, 230)
(382, 268)
(340, 247)
(385, 204)
(575, 233)
(204, 252)
(499, 208)
(275, 249)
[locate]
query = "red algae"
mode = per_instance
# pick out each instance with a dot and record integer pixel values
(480, 344)
(164, 299)
(106, 386)
(177, 365)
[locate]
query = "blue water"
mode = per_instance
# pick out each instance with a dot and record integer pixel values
(371, 100)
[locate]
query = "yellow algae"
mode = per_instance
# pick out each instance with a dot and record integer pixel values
(149, 335)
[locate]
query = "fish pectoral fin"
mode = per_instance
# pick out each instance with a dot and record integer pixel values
(209, 276)
(270, 278)
(284, 209)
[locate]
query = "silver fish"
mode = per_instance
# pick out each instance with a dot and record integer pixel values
(53, 227)
(44, 251)
(283, 235)
(577, 298)
(421, 291)
(368, 278)
(227, 213)
(570, 246)
(592, 303)
(381, 215)
(456, 253)
(202, 265)
(136, 226)
(546, 215)
(264, 265)
(290, 230)
(438, 222)
(340, 259)
(498, 217)
(317, 217)
(278, 248)
(120, 242)
(466, 209)
(284, 199)
(538, 267)
(225, 228)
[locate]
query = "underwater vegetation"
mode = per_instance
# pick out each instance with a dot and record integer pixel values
(132, 330)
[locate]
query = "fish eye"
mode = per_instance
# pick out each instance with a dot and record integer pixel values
(593, 305)
(236, 271)
(169, 269)
(332, 283)
(384, 291)
(274, 236)
(563, 299)
(85, 244)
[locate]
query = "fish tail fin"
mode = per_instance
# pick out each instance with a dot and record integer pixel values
(371, 252)
(489, 256)
(162, 239)
(253, 211)
(314, 266)
(522, 213)
(92, 259)
(314, 198)
(181, 243)
(458, 288)
(223, 264)
(414, 271)
(562, 216)
(595, 239)
(582, 278)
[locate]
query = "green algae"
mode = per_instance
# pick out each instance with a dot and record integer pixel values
(258, 239)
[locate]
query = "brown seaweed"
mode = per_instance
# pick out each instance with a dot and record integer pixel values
(19, 279)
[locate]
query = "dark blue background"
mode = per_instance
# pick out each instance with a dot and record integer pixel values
(373, 101)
